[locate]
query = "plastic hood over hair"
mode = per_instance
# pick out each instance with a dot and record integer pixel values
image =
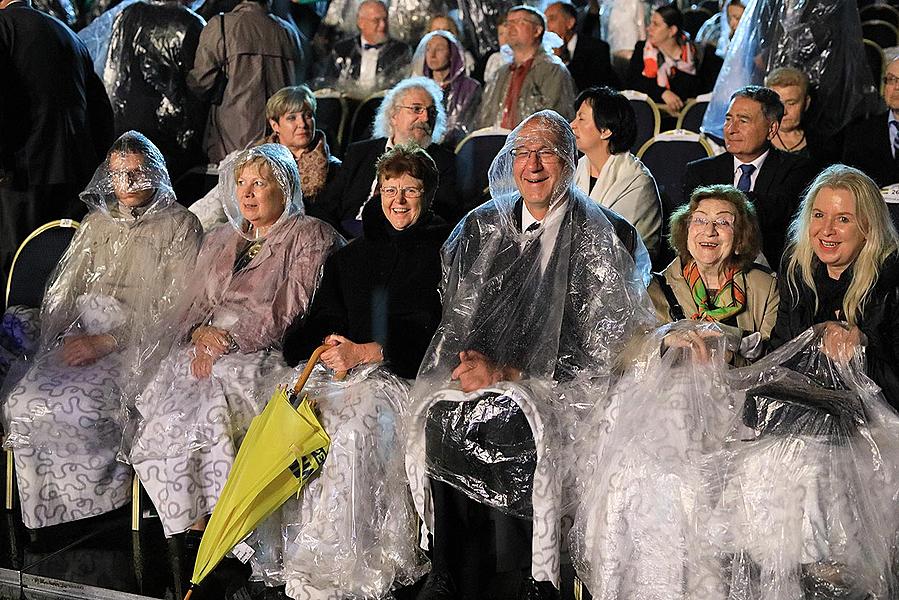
(822, 38)
(284, 171)
(113, 289)
(147, 173)
(457, 59)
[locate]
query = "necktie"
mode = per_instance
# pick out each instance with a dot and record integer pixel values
(745, 182)
(894, 135)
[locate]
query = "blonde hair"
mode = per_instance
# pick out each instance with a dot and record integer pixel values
(874, 222)
(786, 77)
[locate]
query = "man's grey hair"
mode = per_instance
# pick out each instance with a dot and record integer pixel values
(772, 107)
(364, 2)
(394, 97)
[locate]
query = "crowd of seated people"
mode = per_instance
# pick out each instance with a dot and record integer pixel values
(495, 352)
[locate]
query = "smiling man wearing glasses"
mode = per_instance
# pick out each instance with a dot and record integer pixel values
(873, 144)
(411, 112)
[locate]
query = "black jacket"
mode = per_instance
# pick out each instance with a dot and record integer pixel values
(382, 287)
(867, 147)
(55, 117)
(591, 64)
(346, 60)
(879, 323)
(682, 84)
(340, 201)
(778, 189)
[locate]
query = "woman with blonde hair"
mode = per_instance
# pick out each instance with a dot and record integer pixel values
(842, 269)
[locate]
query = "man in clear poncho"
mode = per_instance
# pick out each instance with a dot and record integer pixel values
(540, 295)
(115, 284)
(821, 38)
(220, 358)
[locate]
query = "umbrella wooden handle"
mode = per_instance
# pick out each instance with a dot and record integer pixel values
(310, 364)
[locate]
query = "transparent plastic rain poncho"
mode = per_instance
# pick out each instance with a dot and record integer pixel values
(460, 92)
(117, 282)
(251, 287)
(96, 35)
(822, 38)
(480, 21)
(557, 303)
(64, 10)
(351, 533)
(776, 481)
(151, 49)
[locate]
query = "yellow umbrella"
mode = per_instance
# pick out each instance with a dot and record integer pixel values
(284, 446)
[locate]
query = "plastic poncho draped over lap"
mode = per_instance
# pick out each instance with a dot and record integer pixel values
(822, 38)
(557, 303)
(117, 282)
(250, 287)
(775, 481)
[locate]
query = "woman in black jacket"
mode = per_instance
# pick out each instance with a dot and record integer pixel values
(842, 269)
(377, 307)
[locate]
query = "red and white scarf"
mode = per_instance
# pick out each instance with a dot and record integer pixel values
(663, 72)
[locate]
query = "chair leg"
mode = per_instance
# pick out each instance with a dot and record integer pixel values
(135, 503)
(10, 476)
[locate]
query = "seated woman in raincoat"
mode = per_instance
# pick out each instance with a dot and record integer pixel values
(352, 532)
(115, 284)
(251, 281)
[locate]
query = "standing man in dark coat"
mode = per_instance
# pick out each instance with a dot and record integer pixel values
(55, 123)
(871, 145)
(773, 180)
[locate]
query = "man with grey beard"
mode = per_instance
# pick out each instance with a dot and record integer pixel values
(412, 111)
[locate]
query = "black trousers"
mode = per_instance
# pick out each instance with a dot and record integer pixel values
(487, 552)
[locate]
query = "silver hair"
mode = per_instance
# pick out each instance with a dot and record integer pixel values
(389, 106)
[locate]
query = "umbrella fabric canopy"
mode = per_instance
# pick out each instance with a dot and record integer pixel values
(284, 446)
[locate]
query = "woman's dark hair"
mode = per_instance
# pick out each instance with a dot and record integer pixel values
(612, 111)
(673, 17)
(410, 159)
(747, 235)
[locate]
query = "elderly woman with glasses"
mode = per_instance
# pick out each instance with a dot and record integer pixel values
(351, 533)
(714, 278)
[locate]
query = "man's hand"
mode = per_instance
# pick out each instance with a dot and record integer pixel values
(476, 371)
(345, 354)
(840, 341)
(83, 350)
(211, 340)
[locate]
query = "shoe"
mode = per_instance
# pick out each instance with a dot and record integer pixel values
(439, 586)
(531, 589)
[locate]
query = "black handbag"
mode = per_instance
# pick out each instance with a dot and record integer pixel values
(216, 93)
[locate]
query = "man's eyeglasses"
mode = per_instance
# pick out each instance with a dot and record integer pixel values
(544, 155)
(408, 192)
(890, 80)
(418, 109)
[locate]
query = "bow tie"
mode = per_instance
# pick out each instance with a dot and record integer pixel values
(372, 46)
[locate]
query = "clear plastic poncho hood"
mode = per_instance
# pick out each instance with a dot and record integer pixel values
(822, 38)
(133, 165)
(283, 169)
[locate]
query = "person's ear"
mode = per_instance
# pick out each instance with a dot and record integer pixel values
(772, 129)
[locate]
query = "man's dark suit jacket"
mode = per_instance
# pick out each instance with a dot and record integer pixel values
(393, 58)
(867, 147)
(778, 190)
(341, 199)
(591, 64)
(55, 118)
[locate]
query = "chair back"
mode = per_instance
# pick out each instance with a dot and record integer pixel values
(876, 61)
(694, 18)
(880, 12)
(882, 33)
(35, 260)
(649, 121)
(666, 156)
(364, 118)
(331, 116)
(691, 115)
(474, 154)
